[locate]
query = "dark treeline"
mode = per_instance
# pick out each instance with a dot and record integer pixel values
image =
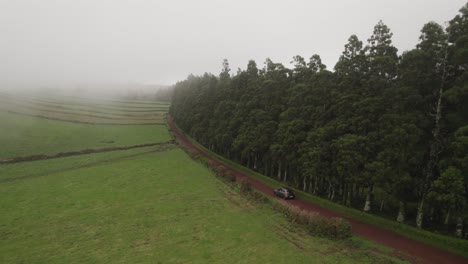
(384, 133)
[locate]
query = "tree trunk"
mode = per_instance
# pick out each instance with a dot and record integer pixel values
(332, 198)
(367, 205)
(431, 214)
(382, 205)
(279, 171)
(435, 145)
(285, 173)
(304, 184)
(296, 176)
(353, 194)
(459, 228)
(420, 214)
(315, 185)
(401, 213)
(255, 161)
(350, 197)
(343, 194)
(447, 217)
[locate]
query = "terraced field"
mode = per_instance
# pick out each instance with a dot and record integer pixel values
(85, 111)
(33, 125)
(142, 205)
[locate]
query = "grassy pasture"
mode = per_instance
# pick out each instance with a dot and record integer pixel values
(75, 108)
(22, 135)
(86, 102)
(84, 112)
(139, 207)
(77, 117)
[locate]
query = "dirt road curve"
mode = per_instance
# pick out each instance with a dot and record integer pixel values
(418, 252)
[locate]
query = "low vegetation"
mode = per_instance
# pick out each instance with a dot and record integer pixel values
(315, 224)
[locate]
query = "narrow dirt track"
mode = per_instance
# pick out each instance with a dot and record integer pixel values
(418, 252)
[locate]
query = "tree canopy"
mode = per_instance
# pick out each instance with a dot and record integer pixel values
(379, 133)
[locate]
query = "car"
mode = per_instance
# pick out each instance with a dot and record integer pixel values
(285, 193)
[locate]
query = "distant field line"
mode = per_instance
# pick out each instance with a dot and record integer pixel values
(82, 122)
(87, 106)
(82, 111)
(81, 103)
(73, 99)
(79, 152)
(101, 100)
(81, 114)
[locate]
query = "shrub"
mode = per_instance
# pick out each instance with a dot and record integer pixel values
(193, 154)
(215, 170)
(230, 177)
(317, 225)
(203, 160)
(343, 228)
(221, 171)
(259, 197)
(212, 164)
(245, 186)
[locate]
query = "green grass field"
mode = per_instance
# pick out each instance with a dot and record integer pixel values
(23, 135)
(144, 205)
(96, 111)
(137, 207)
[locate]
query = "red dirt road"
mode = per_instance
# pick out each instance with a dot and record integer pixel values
(418, 252)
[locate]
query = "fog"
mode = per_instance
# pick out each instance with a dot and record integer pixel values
(106, 43)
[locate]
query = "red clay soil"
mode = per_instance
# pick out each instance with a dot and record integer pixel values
(418, 252)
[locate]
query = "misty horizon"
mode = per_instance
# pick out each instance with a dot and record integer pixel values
(71, 44)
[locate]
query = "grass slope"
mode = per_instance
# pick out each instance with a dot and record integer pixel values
(22, 135)
(158, 207)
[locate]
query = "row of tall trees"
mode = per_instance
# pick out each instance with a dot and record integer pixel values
(382, 132)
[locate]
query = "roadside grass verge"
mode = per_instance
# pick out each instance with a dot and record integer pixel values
(451, 244)
(314, 223)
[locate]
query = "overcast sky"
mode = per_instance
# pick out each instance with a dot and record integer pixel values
(161, 42)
